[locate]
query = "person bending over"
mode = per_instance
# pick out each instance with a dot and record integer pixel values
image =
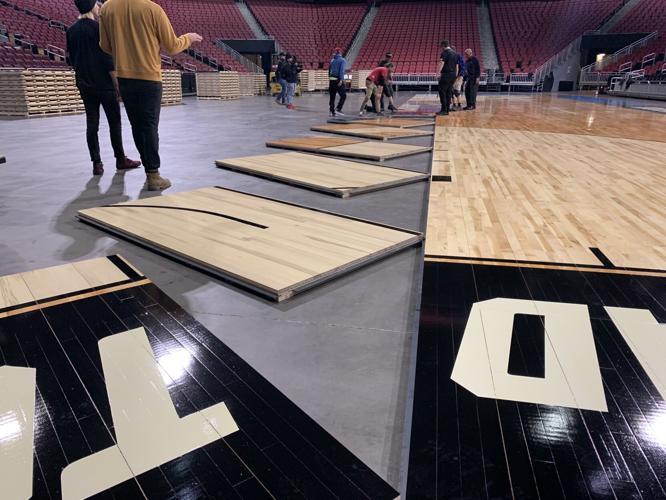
(374, 84)
(336, 82)
(133, 31)
(97, 84)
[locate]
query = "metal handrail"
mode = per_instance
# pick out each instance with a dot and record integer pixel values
(244, 61)
(613, 58)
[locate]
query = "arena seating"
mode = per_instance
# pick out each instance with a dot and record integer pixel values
(311, 32)
(529, 32)
(213, 19)
(59, 10)
(413, 32)
(31, 28)
(17, 57)
(647, 16)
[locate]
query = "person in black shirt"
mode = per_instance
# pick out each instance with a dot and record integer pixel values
(473, 79)
(97, 84)
(448, 69)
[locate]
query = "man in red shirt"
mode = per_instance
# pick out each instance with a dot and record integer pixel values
(375, 83)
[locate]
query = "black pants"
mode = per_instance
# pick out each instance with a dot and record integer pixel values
(387, 92)
(92, 99)
(143, 102)
(446, 90)
(471, 90)
(335, 88)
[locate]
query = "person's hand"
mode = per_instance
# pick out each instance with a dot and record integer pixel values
(478, 80)
(340, 83)
(194, 37)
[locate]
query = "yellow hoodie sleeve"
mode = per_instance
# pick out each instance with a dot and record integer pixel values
(168, 40)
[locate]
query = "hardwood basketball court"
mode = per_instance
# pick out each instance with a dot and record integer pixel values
(540, 367)
(368, 132)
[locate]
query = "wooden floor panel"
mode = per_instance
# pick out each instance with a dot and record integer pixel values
(349, 147)
(122, 394)
(546, 113)
(549, 179)
(342, 178)
(274, 248)
(386, 121)
(369, 132)
(548, 197)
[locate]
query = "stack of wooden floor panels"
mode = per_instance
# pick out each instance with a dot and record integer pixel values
(34, 92)
(218, 85)
(308, 80)
(358, 78)
(252, 84)
(172, 89)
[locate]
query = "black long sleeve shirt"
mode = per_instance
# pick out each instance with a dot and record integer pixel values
(91, 64)
(473, 68)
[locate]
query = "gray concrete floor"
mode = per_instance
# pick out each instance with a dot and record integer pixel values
(342, 352)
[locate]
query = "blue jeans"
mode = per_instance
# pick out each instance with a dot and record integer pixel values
(282, 96)
(291, 90)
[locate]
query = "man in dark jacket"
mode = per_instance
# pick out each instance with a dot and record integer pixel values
(282, 96)
(97, 83)
(448, 69)
(336, 82)
(473, 79)
(290, 73)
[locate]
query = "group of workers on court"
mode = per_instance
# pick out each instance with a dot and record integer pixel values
(458, 73)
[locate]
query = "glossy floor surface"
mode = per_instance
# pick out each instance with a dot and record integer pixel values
(355, 386)
(540, 368)
(124, 394)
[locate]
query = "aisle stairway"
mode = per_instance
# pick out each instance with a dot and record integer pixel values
(251, 20)
(488, 49)
(361, 35)
(618, 16)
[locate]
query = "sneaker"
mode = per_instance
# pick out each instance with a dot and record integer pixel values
(98, 168)
(332, 114)
(290, 106)
(443, 113)
(339, 113)
(381, 113)
(361, 113)
(155, 182)
(127, 164)
(392, 108)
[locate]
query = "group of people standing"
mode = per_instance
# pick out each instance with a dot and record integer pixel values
(286, 74)
(119, 59)
(457, 72)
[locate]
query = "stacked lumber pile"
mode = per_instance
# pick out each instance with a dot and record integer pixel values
(172, 89)
(218, 85)
(38, 92)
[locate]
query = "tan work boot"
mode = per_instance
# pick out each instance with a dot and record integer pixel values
(155, 182)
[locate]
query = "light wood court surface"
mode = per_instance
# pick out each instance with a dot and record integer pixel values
(550, 194)
(348, 147)
(342, 178)
(25, 290)
(385, 122)
(379, 133)
(274, 248)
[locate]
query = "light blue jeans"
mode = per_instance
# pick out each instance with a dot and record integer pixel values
(282, 96)
(291, 91)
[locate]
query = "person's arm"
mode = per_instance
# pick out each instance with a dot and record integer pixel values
(343, 70)
(440, 65)
(104, 40)
(171, 43)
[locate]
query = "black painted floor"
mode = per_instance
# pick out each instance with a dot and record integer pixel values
(464, 446)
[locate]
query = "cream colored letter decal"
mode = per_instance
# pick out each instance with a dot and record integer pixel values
(148, 430)
(647, 340)
(17, 423)
(572, 376)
